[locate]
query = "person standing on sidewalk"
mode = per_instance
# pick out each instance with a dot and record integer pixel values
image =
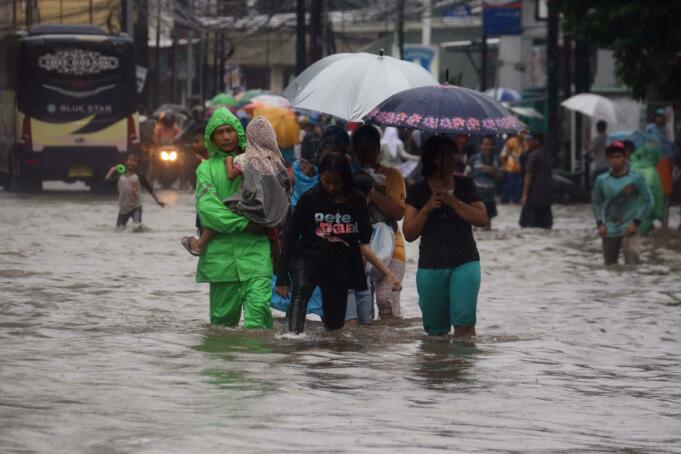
(621, 199)
(538, 186)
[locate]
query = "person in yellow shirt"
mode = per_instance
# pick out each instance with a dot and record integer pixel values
(514, 147)
(386, 204)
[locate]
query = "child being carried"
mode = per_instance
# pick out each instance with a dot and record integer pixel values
(264, 198)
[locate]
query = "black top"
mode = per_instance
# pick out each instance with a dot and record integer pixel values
(329, 233)
(540, 167)
(447, 240)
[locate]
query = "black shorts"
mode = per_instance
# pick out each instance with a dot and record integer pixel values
(135, 214)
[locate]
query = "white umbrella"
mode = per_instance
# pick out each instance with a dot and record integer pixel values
(503, 94)
(349, 85)
(596, 106)
(529, 112)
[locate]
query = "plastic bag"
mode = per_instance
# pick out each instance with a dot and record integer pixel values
(383, 245)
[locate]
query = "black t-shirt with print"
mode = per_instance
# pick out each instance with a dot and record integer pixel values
(447, 240)
(329, 233)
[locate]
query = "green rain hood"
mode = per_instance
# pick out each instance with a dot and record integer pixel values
(233, 254)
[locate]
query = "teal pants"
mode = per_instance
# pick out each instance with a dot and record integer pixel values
(448, 297)
(227, 298)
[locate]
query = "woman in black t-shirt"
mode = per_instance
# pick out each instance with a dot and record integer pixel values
(441, 210)
(324, 241)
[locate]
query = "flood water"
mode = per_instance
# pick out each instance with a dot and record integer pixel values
(105, 348)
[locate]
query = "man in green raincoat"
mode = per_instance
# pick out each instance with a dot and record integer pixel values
(236, 261)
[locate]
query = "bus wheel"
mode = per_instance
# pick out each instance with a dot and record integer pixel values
(24, 184)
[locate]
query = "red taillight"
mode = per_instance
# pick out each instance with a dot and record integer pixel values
(132, 133)
(26, 138)
(31, 162)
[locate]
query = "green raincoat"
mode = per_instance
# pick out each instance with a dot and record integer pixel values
(237, 263)
(644, 161)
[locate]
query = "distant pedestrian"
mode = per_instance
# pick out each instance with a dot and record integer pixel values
(510, 156)
(130, 183)
(441, 210)
(324, 241)
(621, 199)
(596, 150)
(538, 186)
(483, 168)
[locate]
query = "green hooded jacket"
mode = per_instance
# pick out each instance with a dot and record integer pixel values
(644, 161)
(233, 254)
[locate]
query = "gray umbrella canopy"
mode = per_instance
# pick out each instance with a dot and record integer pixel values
(349, 85)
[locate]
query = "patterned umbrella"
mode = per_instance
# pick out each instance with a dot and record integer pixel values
(445, 109)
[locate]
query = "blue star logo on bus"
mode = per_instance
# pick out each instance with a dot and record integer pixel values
(77, 62)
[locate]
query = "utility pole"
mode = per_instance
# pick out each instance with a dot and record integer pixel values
(427, 19)
(483, 63)
(158, 54)
(315, 52)
(90, 10)
(400, 27)
(189, 90)
(552, 106)
(300, 36)
(29, 13)
(582, 85)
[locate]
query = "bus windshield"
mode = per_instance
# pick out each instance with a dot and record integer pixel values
(63, 80)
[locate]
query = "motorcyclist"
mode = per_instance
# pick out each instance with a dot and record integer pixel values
(166, 132)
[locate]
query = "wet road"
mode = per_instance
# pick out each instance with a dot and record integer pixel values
(105, 347)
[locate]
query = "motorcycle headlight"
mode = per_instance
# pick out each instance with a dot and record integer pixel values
(165, 156)
(172, 156)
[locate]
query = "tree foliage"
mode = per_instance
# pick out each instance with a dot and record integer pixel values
(644, 35)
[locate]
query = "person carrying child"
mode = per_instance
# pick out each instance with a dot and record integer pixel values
(621, 199)
(264, 196)
(236, 261)
(129, 183)
(324, 241)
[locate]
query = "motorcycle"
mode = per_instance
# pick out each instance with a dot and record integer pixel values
(166, 165)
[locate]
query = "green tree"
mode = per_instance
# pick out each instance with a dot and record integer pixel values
(644, 35)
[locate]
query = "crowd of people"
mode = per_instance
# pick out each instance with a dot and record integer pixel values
(320, 231)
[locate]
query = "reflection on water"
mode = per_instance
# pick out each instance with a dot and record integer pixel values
(104, 347)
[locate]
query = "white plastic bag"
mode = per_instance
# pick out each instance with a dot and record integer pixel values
(382, 244)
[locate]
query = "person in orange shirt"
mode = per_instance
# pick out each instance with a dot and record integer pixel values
(514, 147)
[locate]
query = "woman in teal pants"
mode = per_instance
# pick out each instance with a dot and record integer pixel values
(441, 210)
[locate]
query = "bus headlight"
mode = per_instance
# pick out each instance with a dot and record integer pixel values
(165, 156)
(172, 156)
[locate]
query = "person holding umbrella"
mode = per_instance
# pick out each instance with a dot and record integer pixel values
(441, 210)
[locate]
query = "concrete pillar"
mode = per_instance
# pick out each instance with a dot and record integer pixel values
(277, 78)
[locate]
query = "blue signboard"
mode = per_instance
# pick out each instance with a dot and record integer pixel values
(458, 13)
(421, 55)
(503, 17)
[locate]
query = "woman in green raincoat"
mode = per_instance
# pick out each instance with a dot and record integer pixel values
(644, 161)
(236, 261)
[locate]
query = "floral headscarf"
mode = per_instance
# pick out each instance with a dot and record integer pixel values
(262, 151)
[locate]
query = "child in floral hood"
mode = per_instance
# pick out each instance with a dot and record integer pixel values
(264, 197)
